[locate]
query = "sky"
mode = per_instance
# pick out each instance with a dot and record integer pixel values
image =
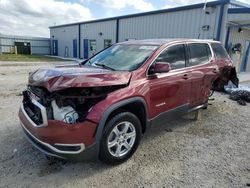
(33, 17)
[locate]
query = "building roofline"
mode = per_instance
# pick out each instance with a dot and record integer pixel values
(239, 11)
(187, 7)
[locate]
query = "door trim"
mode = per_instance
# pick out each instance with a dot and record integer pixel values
(55, 47)
(164, 117)
(75, 48)
(172, 114)
(85, 48)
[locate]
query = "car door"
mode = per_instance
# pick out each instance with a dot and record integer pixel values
(169, 92)
(203, 69)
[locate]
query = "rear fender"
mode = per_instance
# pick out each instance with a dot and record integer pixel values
(227, 74)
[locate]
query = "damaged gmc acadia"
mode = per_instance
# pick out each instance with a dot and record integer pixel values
(101, 107)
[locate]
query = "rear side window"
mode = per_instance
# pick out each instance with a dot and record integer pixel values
(219, 51)
(199, 53)
(175, 55)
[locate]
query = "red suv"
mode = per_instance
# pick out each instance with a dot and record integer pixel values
(101, 107)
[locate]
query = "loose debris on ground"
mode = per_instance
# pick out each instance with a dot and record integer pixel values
(241, 94)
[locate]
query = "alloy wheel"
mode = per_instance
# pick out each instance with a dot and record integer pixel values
(121, 139)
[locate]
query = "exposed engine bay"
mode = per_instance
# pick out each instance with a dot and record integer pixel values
(69, 105)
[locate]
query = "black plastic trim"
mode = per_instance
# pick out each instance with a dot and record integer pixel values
(169, 115)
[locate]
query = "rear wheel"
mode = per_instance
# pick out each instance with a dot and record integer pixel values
(121, 138)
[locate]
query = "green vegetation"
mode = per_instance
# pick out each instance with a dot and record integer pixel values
(31, 58)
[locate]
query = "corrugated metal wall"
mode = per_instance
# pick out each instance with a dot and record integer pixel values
(65, 36)
(239, 37)
(181, 24)
(38, 45)
(98, 31)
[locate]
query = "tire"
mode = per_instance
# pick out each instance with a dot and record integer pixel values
(122, 133)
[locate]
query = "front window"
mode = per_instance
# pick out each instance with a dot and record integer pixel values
(174, 55)
(122, 57)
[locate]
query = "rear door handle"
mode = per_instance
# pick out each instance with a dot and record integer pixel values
(215, 71)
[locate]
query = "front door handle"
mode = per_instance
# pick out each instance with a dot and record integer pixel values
(185, 76)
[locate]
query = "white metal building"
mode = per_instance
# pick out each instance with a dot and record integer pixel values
(224, 20)
(24, 45)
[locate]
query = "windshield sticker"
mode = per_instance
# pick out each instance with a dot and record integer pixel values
(148, 47)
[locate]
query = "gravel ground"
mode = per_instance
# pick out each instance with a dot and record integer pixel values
(213, 151)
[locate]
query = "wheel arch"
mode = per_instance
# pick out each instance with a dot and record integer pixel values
(125, 105)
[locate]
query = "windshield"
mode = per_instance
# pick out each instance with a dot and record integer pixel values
(122, 57)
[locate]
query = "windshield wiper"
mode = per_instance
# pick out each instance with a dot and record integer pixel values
(105, 66)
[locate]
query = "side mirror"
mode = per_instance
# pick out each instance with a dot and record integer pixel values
(162, 67)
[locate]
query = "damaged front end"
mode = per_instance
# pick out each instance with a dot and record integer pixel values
(68, 93)
(57, 122)
(70, 105)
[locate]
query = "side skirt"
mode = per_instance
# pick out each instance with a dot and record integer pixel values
(165, 117)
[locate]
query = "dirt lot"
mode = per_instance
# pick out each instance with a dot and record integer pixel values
(211, 152)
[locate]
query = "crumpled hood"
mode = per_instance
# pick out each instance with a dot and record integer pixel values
(63, 77)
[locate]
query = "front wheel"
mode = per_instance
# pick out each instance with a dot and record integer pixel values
(121, 138)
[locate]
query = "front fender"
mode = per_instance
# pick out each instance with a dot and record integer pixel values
(103, 114)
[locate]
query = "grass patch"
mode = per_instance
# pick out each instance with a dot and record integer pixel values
(31, 58)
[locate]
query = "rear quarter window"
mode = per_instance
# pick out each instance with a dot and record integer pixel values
(219, 51)
(199, 53)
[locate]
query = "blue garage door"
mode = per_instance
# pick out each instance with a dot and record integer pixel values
(55, 47)
(85, 48)
(75, 48)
